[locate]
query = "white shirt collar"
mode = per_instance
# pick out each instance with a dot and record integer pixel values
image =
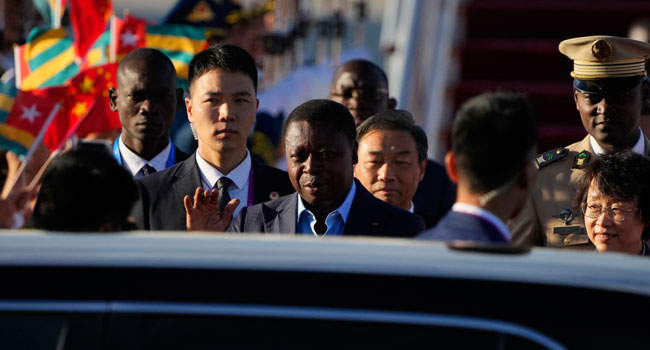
(134, 162)
(638, 146)
(476, 211)
(210, 174)
(343, 209)
(412, 208)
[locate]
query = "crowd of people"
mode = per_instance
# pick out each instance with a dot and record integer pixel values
(355, 164)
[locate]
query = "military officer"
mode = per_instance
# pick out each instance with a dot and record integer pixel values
(609, 89)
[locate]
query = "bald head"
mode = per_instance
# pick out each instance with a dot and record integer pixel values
(146, 60)
(362, 87)
(146, 99)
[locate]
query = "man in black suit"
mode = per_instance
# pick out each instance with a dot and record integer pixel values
(320, 147)
(392, 158)
(493, 147)
(146, 99)
(221, 109)
(362, 87)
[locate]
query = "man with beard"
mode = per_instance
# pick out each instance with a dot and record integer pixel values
(609, 90)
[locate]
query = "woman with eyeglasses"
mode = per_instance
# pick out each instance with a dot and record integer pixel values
(615, 199)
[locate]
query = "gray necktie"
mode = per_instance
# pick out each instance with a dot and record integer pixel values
(222, 186)
(147, 170)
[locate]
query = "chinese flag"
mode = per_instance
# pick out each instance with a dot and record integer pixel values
(127, 35)
(88, 19)
(85, 108)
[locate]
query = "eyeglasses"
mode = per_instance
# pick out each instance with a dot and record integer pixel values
(593, 210)
(371, 94)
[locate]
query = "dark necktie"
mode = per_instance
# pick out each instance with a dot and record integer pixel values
(222, 186)
(148, 170)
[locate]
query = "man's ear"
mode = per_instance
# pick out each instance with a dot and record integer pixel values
(112, 99)
(188, 106)
(392, 103)
(179, 99)
(423, 168)
(450, 166)
(575, 98)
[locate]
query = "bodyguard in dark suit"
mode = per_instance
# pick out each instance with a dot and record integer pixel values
(146, 99)
(319, 138)
(392, 158)
(493, 146)
(221, 109)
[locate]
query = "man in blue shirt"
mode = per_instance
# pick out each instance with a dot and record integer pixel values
(320, 147)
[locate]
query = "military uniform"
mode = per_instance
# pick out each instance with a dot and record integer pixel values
(602, 66)
(549, 217)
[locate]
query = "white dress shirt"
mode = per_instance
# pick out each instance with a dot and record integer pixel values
(239, 176)
(134, 162)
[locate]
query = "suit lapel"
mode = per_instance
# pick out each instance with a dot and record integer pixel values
(285, 216)
(361, 220)
(187, 179)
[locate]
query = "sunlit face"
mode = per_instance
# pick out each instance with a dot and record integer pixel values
(363, 92)
(388, 166)
(222, 106)
(612, 119)
(319, 162)
(610, 235)
(146, 99)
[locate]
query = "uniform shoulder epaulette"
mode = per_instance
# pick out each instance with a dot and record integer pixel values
(546, 158)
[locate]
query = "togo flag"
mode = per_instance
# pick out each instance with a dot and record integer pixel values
(47, 59)
(179, 42)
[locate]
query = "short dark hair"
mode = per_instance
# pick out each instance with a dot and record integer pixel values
(493, 136)
(227, 57)
(623, 175)
(397, 120)
(324, 112)
(84, 189)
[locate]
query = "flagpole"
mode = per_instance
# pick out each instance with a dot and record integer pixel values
(37, 141)
(59, 148)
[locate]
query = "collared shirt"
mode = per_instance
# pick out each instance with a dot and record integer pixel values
(412, 208)
(134, 162)
(484, 214)
(335, 220)
(638, 146)
(239, 176)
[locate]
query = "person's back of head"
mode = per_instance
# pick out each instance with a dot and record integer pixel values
(494, 136)
(84, 190)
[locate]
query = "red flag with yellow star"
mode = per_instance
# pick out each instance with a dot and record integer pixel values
(88, 19)
(84, 106)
